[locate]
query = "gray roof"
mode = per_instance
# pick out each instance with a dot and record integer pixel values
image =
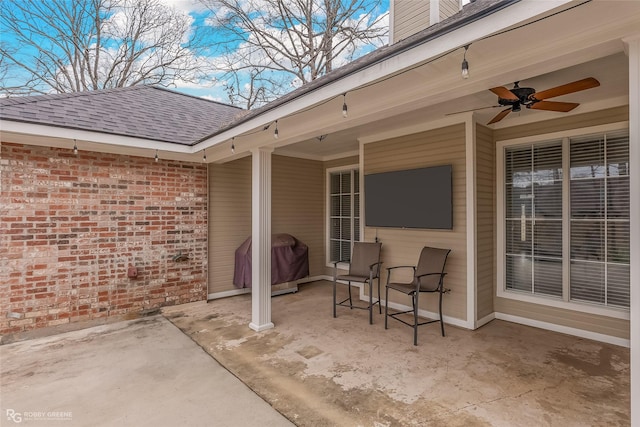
(138, 111)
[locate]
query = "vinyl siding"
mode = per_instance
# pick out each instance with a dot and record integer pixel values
(485, 218)
(297, 205)
(297, 208)
(402, 247)
(229, 219)
(448, 8)
(570, 318)
(409, 17)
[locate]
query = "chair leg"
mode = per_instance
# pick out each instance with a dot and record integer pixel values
(334, 296)
(350, 300)
(370, 302)
(415, 318)
(440, 307)
(386, 306)
(379, 302)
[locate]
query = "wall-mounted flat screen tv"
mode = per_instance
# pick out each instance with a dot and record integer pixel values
(415, 198)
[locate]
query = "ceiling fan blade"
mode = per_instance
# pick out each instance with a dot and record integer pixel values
(564, 107)
(577, 86)
(504, 93)
(501, 115)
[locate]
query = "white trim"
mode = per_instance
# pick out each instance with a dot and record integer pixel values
(470, 176)
(434, 12)
(564, 329)
(486, 319)
(501, 292)
(632, 48)
(91, 136)
(231, 293)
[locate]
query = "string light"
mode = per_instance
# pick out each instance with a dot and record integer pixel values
(204, 156)
(156, 158)
(75, 147)
(275, 132)
(465, 64)
(345, 109)
(233, 146)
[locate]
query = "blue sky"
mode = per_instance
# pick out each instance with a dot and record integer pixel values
(209, 89)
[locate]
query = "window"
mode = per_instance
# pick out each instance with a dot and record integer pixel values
(344, 213)
(565, 220)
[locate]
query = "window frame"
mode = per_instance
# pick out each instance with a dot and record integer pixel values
(354, 169)
(501, 291)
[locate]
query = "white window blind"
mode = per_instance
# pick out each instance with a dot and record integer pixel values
(533, 189)
(600, 219)
(575, 189)
(344, 213)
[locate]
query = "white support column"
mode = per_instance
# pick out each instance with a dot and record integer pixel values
(261, 239)
(472, 247)
(632, 46)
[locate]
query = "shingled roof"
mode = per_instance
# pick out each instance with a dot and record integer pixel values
(139, 111)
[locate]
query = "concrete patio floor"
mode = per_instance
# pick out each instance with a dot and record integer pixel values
(311, 369)
(133, 373)
(321, 371)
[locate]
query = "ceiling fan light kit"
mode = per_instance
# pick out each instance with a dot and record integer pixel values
(525, 96)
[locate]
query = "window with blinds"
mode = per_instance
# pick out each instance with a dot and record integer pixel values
(574, 189)
(533, 189)
(344, 213)
(599, 174)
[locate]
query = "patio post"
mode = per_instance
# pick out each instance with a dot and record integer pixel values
(261, 239)
(632, 47)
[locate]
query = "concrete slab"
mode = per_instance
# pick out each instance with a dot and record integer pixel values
(137, 373)
(321, 371)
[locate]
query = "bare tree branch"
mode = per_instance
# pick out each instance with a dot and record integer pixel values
(79, 45)
(301, 39)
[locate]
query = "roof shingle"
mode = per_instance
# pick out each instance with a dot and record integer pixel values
(138, 111)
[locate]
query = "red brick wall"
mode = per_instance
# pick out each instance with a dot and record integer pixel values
(72, 225)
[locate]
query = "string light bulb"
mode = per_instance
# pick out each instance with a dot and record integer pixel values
(204, 156)
(465, 64)
(345, 109)
(156, 158)
(75, 147)
(276, 134)
(233, 146)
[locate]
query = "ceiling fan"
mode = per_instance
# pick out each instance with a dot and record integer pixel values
(518, 97)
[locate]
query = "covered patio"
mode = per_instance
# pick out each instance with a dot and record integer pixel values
(321, 371)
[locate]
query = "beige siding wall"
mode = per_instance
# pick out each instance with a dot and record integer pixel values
(574, 319)
(409, 17)
(448, 8)
(298, 205)
(485, 218)
(297, 208)
(402, 247)
(229, 219)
